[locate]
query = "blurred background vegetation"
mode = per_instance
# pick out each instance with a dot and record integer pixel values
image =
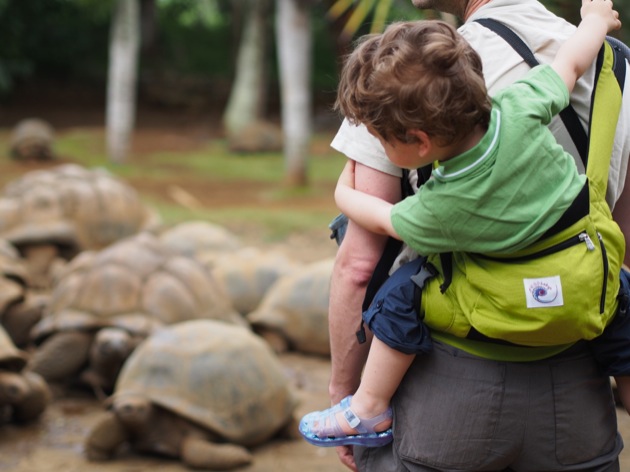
(54, 56)
(194, 39)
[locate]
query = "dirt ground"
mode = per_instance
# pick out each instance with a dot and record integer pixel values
(54, 443)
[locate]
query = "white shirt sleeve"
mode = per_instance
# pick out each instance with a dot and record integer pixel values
(360, 146)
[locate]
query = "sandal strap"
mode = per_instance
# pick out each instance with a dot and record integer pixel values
(366, 425)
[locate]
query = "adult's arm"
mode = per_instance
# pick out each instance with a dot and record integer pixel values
(364, 209)
(354, 265)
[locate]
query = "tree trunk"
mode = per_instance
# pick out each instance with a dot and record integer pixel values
(122, 77)
(294, 40)
(247, 99)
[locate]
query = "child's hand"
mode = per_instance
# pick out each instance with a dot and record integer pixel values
(347, 175)
(603, 9)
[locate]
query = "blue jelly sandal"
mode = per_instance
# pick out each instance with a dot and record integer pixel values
(321, 428)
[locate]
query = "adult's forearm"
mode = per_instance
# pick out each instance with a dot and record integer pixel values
(368, 211)
(354, 265)
(351, 274)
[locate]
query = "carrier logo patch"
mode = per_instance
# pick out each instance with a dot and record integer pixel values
(543, 292)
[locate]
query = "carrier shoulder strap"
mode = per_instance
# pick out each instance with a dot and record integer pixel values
(615, 56)
(568, 116)
(605, 106)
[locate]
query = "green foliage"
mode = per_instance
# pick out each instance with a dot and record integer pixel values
(52, 38)
(371, 15)
(192, 38)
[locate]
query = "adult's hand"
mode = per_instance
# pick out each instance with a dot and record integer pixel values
(346, 456)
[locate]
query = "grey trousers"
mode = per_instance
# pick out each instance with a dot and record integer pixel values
(457, 412)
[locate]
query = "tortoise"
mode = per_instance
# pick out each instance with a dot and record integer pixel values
(257, 136)
(23, 395)
(20, 307)
(105, 302)
(191, 238)
(201, 391)
(52, 214)
(247, 274)
(32, 140)
(293, 315)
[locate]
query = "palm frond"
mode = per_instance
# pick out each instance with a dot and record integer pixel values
(358, 11)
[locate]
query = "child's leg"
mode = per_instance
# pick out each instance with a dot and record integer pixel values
(384, 369)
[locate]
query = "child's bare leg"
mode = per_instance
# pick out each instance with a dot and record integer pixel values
(623, 390)
(384, 369)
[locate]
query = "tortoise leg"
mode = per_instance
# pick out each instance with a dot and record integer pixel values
(13, 388)
(290, 430)
(21, 317)
(35, 400)
(199, 453)
(107, 434)
(274, 338)
(61, 356)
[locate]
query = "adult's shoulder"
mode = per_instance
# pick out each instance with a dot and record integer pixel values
(356, 143)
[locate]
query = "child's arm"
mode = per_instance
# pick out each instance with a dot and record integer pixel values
(368, 211)
(580, 50)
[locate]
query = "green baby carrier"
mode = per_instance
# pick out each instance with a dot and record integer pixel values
(559, 290)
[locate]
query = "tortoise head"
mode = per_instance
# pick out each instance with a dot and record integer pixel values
(132, 409)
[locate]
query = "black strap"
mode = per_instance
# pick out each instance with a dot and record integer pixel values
(381, 271)
(622, 53)
(446, 261)
(579, 208)
(391, 251)
(568, 116)
(393, 246)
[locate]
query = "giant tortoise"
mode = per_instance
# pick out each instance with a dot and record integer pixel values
(20, 307)
(201, 391)
(246, 274)
(105, 302)
(32, 140)
(23, 395)
(56, 213)
(293, 315)
(192, 238)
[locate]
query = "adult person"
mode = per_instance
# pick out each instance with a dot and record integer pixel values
(458, 411)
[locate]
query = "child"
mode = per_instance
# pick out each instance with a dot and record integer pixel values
(419, 89)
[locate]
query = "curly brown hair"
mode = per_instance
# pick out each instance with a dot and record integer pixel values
(416, 75)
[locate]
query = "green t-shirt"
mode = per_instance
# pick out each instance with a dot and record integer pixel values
(503, 194)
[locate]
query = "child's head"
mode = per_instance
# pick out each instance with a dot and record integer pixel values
(418, 75)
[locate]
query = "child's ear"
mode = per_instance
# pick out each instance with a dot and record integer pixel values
(423, 141)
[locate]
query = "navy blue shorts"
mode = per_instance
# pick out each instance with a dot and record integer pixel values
(393, 316)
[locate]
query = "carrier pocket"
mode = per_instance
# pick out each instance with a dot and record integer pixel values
(555, 295)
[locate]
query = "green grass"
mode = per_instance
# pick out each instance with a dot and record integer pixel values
(278, 210)
(213, 160)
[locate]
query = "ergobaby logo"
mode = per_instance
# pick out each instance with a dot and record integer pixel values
(543, 292)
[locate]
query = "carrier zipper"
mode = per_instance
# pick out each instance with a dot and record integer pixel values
(588, 241)
(582, 237)
(602, 302)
